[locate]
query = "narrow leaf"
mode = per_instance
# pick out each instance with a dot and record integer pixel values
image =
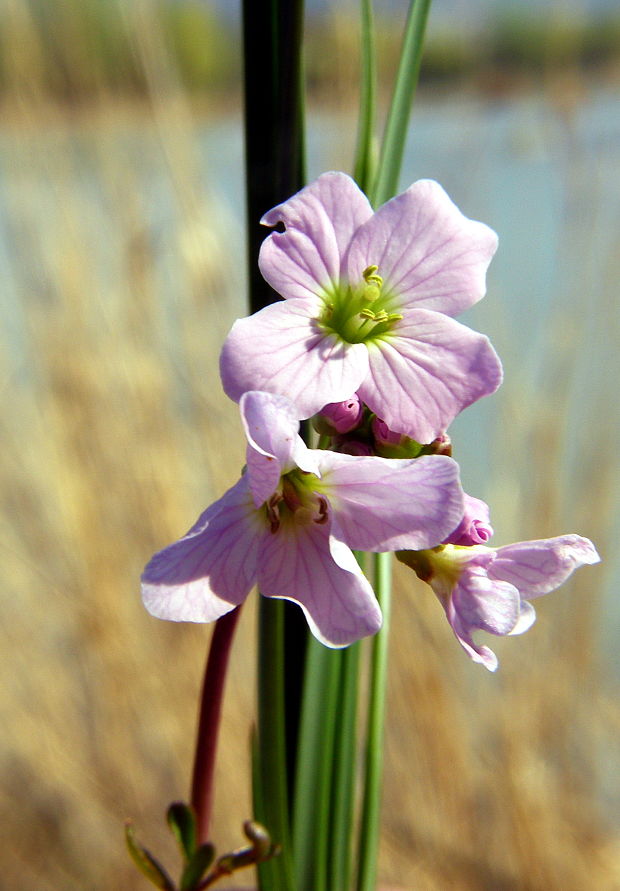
(146, 863)
(371, 807)
(345, 764)
(311, 825)
(200, 861)
(365, 161)
(182, 822)
(392, 149)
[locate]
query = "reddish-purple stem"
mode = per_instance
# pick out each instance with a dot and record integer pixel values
(209, 721)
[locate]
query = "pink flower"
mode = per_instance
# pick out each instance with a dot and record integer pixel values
(289, 523)
(489, 589)
(369, 300)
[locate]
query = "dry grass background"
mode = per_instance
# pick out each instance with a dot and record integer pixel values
(115, 435)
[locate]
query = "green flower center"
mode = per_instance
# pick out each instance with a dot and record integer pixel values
(359, 313)
(296, 501)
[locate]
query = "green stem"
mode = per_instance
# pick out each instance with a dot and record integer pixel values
(395, 136)
(371, 807)
(311, 820)
(345, 763)
(364, 154)
(272, 803)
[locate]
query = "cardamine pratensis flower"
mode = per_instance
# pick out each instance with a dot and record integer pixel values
(289, 523)
(489, 589)
(368, 305)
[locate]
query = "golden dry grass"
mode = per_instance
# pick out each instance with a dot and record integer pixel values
(116, 434)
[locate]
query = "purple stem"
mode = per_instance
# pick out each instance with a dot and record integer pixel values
(209, 721)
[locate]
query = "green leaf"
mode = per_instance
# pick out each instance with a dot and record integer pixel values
(146, 863)
(182, 822)
(200, 861)
(345, 764)
(392, 149)
(365, 160)
(371, 807)
(271, 750)
(311, 812)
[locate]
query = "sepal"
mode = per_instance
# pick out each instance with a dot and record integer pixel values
(260, 849)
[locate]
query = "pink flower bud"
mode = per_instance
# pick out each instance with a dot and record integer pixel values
(343, 416)
(383, 434)
(354, 447)
(474, 528)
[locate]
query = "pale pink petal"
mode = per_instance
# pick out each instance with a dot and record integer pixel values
(429, 255)
(274, 444)
(281, 350)
(485, 603)
(476, 652)
(303, 563)
(382, 504)
(320, 222)
(526, 619)
(537, 567)
(426, 371)
(212, 568)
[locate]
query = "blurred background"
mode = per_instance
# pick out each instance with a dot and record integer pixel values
(121, 270)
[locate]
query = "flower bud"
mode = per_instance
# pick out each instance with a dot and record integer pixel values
(389, 444)
(474, 528)
(340, 417)
(353, 447)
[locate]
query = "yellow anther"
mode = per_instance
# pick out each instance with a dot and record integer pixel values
(371, 278)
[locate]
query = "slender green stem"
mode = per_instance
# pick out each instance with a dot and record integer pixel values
(365, 160)
(395, 136)
(209, 721)
(345, 763)
(311, 822)
(371, 807)
(276, 874)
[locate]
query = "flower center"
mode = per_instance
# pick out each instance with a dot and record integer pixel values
(296, 501)
(360, 313)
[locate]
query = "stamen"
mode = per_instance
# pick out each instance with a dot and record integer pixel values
(322, 518)
(273, 513)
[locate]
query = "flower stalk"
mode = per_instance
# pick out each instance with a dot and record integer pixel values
(209, 721)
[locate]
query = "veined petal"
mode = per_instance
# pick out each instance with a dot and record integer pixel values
(212, 568)
(537, 567)
(485, 603)
(382, 504)
(274, 445)
(281, 350)
(426, 371)
(477, 652)
(428, 253)
(320, 221)
(305, 564)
